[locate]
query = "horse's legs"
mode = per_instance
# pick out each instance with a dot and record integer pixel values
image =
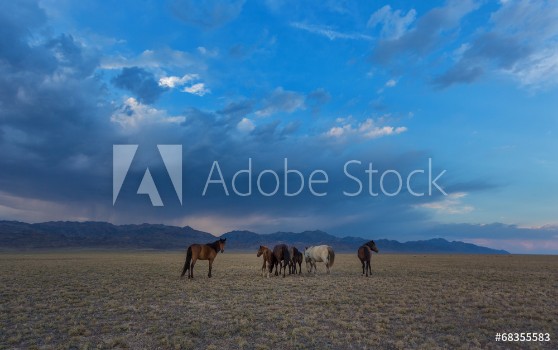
(192, 267)
(210, 266)
(263, 268)
(363, 266)
(370, 268)
(367, 267)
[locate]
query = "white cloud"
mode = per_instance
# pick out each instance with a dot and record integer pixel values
(133, 114)
(173, 81)
(338, 131)
(197, 89)
(367, 129)
(394, 24)
(451, 204)
(245, 125)
(328, 32)
(388, 84)
(391, 83)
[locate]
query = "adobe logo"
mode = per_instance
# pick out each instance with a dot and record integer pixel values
(122, 157)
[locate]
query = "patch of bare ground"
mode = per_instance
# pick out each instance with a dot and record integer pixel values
(133, 300)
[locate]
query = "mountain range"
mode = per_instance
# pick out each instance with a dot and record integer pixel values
(15, 235)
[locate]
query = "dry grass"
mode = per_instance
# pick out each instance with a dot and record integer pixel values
(135, 300)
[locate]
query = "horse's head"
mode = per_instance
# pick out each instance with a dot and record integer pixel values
(222, 244)
(372, 246)
(261, 251)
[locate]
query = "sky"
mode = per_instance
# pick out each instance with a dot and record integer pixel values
(462, 89)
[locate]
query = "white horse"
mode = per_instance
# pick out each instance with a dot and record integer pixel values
(319, 253)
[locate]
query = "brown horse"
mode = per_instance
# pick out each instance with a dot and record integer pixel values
(267, 258)
(296, 258)
(281, 257)
(202, 252)
(364, 256)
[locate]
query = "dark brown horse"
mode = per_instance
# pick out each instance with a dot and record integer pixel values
(296, 258)
(281, 258)
(364, 255)
(267, 258)
(202, 252)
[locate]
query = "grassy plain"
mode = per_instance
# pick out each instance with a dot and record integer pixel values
(88, 300)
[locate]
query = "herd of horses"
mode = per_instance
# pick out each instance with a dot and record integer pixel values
(279, 258)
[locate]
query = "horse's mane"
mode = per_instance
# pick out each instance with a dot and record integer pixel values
(214, 245)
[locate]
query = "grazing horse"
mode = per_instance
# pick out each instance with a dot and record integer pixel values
(320, 253)
(296, 258)
(281, 257)
(267, 259)
(202, 252)
(364, 255)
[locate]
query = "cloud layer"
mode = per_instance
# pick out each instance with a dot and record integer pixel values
(234, 80)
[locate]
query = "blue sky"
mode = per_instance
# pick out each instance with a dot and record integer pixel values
(470, 84)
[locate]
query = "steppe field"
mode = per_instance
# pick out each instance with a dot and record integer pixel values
(103, 300)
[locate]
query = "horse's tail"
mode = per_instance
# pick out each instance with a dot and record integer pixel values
(330, 256)
(187, 262)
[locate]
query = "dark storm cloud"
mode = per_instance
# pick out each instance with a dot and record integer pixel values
(17, 20)
(421, 40)
(460, 73)
(139, 82)
(209, 136)
(237, 109)
(51, 110)
(488, 50)
(206, 14)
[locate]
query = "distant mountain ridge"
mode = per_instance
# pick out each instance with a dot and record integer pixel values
(15, 235)
(91, 234)
(250, 241)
